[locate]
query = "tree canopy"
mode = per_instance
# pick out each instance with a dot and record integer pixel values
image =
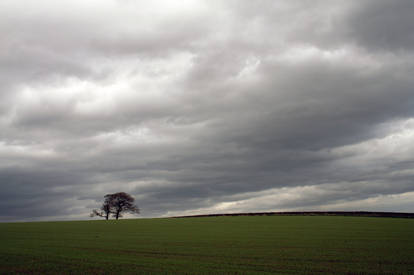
(116, 204)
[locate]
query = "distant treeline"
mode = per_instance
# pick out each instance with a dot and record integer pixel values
(314, 213)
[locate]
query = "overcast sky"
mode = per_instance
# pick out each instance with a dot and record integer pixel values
(206, 106)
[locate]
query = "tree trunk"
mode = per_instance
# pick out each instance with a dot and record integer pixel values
(117, 214)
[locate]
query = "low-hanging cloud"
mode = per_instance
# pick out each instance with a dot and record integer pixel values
(205, 106)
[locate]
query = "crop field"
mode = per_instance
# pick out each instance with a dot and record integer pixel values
(213, 245)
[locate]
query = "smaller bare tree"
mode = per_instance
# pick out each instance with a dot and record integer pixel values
(105, 210)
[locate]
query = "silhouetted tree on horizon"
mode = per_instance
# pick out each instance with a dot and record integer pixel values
(105, 209)
(116, 204)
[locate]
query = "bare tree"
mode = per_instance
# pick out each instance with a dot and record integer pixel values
(116, 204)
(122, 202)
(105, 210)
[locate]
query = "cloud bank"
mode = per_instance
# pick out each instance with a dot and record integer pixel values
(206, 106)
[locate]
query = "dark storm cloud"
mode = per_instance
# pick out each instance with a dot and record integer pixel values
(200, 107)
(384, 25)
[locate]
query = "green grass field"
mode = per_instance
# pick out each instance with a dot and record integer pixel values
(242, 245)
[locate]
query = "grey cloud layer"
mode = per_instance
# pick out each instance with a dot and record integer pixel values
(205, 106)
